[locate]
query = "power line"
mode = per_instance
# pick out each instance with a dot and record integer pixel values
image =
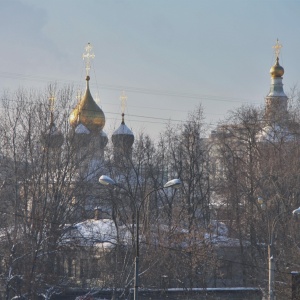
(129, 88)
(166, 120)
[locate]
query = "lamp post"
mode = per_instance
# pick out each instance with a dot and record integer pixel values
(271, 253)
(174, 183)
(296, 275)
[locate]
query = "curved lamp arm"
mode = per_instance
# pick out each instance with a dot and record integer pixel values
(272, 226)
(175, 183)
(296, 211)
(106, 180)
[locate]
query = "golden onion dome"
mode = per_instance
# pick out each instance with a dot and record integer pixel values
(277, 70)
(87, 112)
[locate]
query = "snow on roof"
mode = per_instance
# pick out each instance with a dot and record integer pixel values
(103, 233)
(123, 129)
(54, 130)
(207, 289)
(219, 235)
(95, 232)
(222, 241)
(102, 133)
(274, 134)
(218, 228)
(81, 129)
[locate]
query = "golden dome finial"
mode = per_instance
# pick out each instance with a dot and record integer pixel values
(87, 56)
(277, 70)
(87, 112)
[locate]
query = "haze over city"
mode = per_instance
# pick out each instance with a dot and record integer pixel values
(168, 56)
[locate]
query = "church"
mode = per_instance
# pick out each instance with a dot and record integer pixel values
(75, 232)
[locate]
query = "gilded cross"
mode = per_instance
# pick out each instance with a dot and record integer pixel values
(88, 56)
(51, 107)
(123, 99)
(277, 48)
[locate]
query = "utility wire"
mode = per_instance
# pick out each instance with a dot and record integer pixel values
(129, 88)
(114, 113)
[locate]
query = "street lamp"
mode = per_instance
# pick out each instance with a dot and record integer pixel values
(174, 183)
(272, 227)
(296, 211)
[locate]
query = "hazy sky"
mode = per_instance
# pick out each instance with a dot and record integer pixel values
(168, 55)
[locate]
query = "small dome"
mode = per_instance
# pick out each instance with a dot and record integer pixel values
(277, 70)
(103, 139)
(87, 112)
(123, 137)
(52, 138)
(82, 135)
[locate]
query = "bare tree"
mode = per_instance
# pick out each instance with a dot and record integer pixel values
(257, 158)
(40, 180)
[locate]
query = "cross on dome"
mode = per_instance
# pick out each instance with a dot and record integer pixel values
(51, 106)
(277, 48)
(88, 56)
(123, 99)
(51, 103)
